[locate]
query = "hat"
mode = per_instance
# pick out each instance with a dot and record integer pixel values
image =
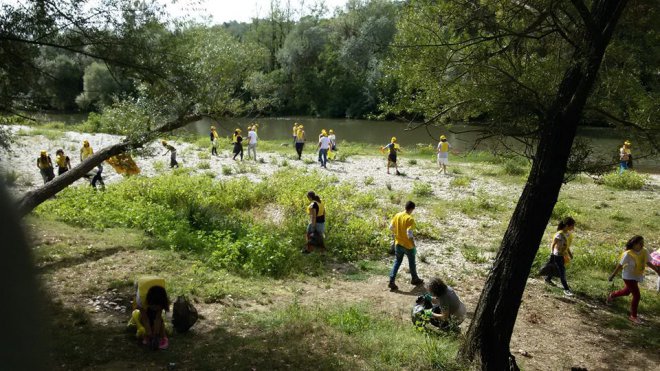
(393, 139)
(332, 131)
(163, 142)
(44, 153)
(323, 132)
(85, 142)
(627, 142)
(238, 130)
(442, 137)
(212, 127)
(300, 126)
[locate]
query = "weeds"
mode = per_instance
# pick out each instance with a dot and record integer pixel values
(628, 180)
(204, 165)
(368, 180)
(460, 182)
(422, 189)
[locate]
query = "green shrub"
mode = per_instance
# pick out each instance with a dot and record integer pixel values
(204, 165)
(226, 170)
(422, 189)
(628, 180)
(515, 166)
(461, 181)
(203, 155)
(473, 254)
(563, 210)
(412, 161)
(216, 219)
(368, 180)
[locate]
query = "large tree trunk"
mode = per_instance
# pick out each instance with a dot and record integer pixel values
(35, 197)
(490, 332)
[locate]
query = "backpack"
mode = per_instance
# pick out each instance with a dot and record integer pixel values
(184, 315)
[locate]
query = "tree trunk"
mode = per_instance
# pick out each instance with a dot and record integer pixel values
(35, 197)
(489, 335)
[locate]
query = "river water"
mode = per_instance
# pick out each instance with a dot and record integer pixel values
(604, 141)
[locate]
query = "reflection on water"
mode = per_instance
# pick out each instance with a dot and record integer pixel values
(605, 141)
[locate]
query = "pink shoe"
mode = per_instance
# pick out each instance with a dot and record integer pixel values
(164, 343)
(635, 320)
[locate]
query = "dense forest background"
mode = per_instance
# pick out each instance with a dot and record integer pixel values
(282, 64)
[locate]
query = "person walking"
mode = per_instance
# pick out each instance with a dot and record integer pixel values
(45, 165)
(625, 157)
(300, 141)
(561, 252)
(323, 133)
(315, 235)
(252, 142)
(295, 132)
(632, 263)
(324, 146)
(238, 144)
(169, 148)
(402, 226)
(85, 151)
(98, 177)
(443, 154)
(393, 148)
(214, 141)
(63, 162)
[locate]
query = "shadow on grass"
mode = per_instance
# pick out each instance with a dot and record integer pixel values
(88, 256)
(80, 342)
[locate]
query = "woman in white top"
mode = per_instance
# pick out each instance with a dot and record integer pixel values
(252, 142)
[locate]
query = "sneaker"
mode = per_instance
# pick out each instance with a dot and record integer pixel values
(416, 281)
(609, 299)
(393, 286)
(164, 343)
(398, 173)
(568, 293)
(635, 320)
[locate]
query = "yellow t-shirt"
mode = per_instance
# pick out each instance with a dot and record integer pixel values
(86, 152)
(300, 135)
(61, 161)
(401, 224)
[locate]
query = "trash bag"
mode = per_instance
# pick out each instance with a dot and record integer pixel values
(550, 268)
(184, 314)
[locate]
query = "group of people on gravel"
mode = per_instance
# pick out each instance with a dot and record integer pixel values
(63, 162)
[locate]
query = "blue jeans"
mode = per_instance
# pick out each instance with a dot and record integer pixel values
(399, 252)
(323, 156)
(623, 165)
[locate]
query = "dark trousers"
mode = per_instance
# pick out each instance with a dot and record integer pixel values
(173, 161)
(559, 260)
(299, 149)
(238, 149)
(61, 170)
(323, 157)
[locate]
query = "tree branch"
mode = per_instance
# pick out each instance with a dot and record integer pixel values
(34, 198)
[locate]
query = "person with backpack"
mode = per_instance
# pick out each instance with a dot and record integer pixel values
(63, 162)
(560, 252)
(315, 233)
(632, 263)
(402, 226)
(45, 166)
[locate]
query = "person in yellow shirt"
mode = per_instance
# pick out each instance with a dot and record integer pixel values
(402, 226)
(63, 162)
(625, 157)
(85, 151)
(393, 148)
(295, 132)
(300, 141)
(214, 141)
(45, 165)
